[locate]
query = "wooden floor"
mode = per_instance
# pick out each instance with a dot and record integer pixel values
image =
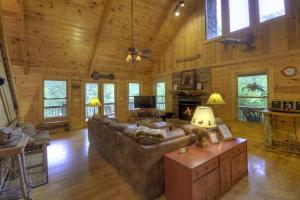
(78, 172)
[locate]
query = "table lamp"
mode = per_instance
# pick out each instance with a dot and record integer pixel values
(203, 118)
(215, 99)
(95, 102)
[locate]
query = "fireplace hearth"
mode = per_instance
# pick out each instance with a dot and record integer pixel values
(187, 107)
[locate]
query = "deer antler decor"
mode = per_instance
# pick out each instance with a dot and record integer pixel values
(249, 42)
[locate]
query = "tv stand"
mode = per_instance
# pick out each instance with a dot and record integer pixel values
(146, 113)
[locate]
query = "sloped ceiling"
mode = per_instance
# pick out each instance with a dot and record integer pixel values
(87, 35)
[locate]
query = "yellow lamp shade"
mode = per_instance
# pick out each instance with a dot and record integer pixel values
(204, 117)
(216, 99)
(95, 102)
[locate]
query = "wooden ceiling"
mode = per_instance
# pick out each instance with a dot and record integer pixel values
(86, 35)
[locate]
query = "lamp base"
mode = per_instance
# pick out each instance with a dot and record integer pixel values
(202, 138)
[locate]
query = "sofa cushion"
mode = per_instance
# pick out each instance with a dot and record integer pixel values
(178, 132)
(117, 127)
(102, 120)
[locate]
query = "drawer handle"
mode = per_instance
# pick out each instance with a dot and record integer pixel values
(206, 182)
(205, 168)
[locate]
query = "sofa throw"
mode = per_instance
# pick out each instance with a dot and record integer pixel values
(148, 136)
(28, 128)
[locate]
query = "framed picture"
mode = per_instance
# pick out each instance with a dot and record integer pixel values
(188, 80)
(224, 130)
(213, 135)
(175, 87)
(199, 86)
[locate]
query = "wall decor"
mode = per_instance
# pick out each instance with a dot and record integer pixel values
(76, 84)
(98, 76)
(188, 80)
(175, 87)
(289, 71)
(199, 86)
(189, 58)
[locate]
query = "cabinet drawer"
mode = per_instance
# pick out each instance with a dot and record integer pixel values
(205, 168)
(207, 187)
(227, 156)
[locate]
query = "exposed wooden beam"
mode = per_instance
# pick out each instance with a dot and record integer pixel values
(23, 41)
(106, 11)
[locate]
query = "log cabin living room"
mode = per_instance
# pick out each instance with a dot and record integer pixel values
(150, 99)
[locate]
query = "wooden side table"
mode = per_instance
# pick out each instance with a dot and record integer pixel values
(18, 153)
(205, 173)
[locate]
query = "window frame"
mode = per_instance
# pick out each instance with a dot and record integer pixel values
(286, 9)
(67, 100)
(222, 22)
(238, 97)
(254, 19)
(115, 96)
(128, 87)
(165, 102)
(99, 95)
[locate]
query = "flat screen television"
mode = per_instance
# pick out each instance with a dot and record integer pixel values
(145, 102)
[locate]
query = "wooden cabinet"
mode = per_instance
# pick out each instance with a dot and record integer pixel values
(205, 173)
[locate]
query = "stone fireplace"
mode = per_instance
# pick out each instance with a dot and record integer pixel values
(186, 107)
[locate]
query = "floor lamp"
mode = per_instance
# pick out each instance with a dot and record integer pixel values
(95, 102)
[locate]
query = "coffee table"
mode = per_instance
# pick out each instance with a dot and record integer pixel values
(155, 124)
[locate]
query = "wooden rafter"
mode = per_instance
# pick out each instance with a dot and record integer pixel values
(107, 8)
(23, 41)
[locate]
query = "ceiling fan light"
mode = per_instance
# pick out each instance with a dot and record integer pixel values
(128, 58)
(138, 58)
(177, 13)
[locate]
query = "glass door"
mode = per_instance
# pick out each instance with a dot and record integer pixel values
(91, 91)
(109, 99)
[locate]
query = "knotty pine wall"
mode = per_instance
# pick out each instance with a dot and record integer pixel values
(30, 95)
(277, 46)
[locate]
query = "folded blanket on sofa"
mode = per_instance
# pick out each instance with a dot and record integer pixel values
(142, 131)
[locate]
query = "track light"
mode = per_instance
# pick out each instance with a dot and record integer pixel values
(178, 6)
(181, 3)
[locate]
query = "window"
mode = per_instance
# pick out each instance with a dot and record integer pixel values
(252, 97)
(55, 98)
(109, 99)
(161, 96)
(239, 14)
(91, 91)
(133, 90)
(269, 9)
(213, 19)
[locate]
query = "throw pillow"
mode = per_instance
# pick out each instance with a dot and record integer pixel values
(116, 126)
(175, 133)
(102, 120)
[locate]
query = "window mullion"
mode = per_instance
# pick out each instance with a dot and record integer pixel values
(225, 17)
(253, 12)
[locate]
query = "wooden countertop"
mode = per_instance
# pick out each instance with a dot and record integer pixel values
(196, 156)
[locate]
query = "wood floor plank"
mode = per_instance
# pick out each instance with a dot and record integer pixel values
(77, 172)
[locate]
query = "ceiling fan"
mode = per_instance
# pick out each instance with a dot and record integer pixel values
(134, 55)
